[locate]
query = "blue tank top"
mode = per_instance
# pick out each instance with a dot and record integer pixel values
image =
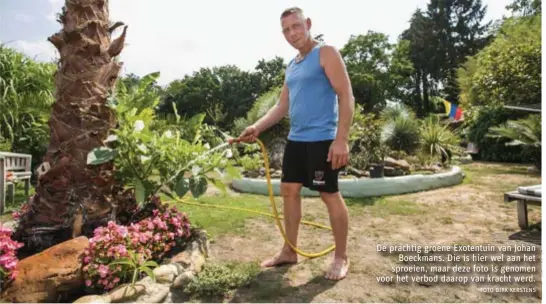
(313, 105)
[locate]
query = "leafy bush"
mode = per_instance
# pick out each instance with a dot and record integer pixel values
(508, 70)
(437, 139)
(26, 97)
(8, 256)
(525, 132)
(365, 139)
(115, 251)
(494, 149)
(154, 156)
(217, 279)
(390, 113)
(402, 133)
(260, 107)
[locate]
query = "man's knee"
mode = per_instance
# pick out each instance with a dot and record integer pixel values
(290, 190)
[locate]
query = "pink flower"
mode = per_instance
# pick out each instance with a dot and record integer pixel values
(88, 282)
(103, 271)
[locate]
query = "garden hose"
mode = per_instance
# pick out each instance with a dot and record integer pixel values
(275, 214)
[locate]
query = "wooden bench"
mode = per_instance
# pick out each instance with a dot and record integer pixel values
(524, 196)
(19, 167)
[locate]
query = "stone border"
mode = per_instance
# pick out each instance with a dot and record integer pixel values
(364, 187)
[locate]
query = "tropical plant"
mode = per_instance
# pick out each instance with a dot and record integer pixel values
(401, 134)
(260, 107)
(154, 156)
(391, 112)
(525, 132)
(80, 121)
(365, 139)
(437, 139)
(493, 148)
(26, 96)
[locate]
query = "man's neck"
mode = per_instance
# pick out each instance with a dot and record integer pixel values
(308, 47)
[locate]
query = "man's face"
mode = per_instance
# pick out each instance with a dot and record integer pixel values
(295, 29)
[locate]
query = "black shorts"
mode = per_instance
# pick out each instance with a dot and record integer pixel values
(307, 163)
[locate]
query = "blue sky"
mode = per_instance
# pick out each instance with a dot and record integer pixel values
(177, 37)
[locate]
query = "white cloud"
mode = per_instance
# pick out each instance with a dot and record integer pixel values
(38, 50)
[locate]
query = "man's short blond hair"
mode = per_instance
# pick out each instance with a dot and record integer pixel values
(292, 10)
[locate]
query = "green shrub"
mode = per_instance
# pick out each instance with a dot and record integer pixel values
(402, 134)
(524, 132)
(494, 149)
(437, 140)
(260, 107)
(392, 112)
(365, 139)
(216, 279)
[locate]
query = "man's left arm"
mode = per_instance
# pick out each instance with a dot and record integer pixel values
(336, 71)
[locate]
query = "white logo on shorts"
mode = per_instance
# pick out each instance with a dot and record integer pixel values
(319, 175)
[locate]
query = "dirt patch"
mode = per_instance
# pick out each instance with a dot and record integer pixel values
(471, 213)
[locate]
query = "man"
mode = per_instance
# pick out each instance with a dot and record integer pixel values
(317, 94)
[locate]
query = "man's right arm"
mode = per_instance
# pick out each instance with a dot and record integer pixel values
(275, 114)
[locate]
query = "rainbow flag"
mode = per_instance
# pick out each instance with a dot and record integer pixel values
(453, 111)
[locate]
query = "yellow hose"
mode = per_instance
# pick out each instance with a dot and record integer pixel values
(275, 214)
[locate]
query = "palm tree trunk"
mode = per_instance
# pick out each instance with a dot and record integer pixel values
(70, 195)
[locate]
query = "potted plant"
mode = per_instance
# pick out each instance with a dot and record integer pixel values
(377, 161)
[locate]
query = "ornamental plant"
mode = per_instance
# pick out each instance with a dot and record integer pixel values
(117, 253)
(152, 155)
(8, 255)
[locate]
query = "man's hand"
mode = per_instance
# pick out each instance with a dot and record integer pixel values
(249, 134)
(338, 154)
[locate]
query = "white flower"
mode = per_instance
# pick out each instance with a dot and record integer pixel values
(207, 146)
(195, 170)
(142, 148)
(229, 153)
(168, 134)
(144, 158)
(139, 125)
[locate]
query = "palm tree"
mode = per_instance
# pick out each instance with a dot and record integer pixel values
(524, 132)
(71, 196)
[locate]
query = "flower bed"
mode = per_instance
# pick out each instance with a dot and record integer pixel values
(8, 256)
(119, 254)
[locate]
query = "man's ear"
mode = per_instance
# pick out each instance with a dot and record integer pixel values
(309, 23)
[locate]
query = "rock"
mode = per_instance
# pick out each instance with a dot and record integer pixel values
(198, 246)
(356, 172)
(197, 261)
(126, 292)
(154, 293)
(94, 299)
(402, 164)
(9, 224)
(276, 174)
(183, 279)
(45, 276)
(166, 273)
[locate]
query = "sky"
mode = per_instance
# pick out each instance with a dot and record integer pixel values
(178, 37)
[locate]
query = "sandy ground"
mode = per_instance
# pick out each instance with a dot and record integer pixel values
(470, 213)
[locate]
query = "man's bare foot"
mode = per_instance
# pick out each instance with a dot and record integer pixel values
(338, 269)
(281, 258)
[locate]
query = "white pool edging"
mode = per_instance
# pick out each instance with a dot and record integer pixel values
(365, 187)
